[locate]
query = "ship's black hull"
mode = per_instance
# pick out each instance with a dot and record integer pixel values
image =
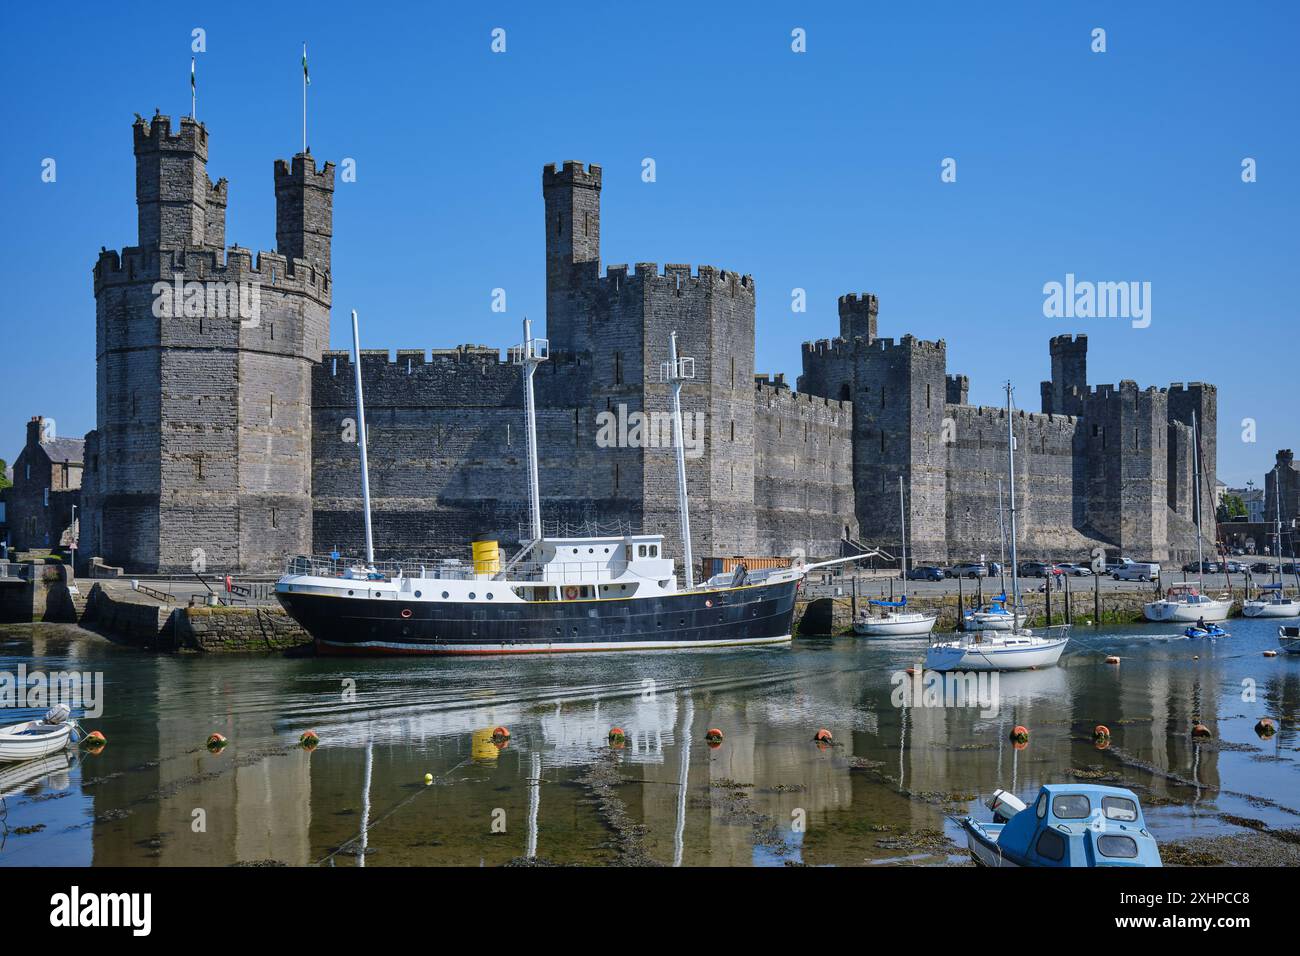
(755, 614)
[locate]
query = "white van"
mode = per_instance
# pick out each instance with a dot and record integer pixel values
(1136, 571)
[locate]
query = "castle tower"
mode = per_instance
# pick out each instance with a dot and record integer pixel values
(1064, 395)
(171, 184)
(304, 211)
(571, 197)
(858, 316)
(203, 400)
(1289, 493)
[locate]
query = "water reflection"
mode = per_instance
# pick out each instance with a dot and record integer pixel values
(766, 795)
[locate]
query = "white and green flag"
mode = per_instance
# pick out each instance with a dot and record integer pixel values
(305, 78)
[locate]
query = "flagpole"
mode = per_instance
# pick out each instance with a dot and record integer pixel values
(193, 92)
(304, 96)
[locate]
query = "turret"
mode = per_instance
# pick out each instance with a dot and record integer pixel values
(171, 183)
(1065, 393)
(304, 210)
(858, 316)
(571, 196)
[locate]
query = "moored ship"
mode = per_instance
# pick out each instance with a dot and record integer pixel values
(558, 593)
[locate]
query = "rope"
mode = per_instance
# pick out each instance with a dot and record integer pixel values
(391, 810)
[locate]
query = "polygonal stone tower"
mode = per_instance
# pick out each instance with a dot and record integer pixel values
(204, 359)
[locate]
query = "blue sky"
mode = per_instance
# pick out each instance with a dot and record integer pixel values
(818, 171)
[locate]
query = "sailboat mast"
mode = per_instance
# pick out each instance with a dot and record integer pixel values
(1011, 484)
(529, 357)
(1277, 499)
(679, 442)
(361, 440)
(902, 524)
(1002, 532)
(1196, 475)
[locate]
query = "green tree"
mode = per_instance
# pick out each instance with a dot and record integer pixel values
(1231, 507)
(4, 466)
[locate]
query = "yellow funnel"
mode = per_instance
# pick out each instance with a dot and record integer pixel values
(487, 559)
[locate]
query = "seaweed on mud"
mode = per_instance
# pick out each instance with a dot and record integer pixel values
(601, 778)
(730, 799)
(1094, 773)
(23, 831)
(784, 788)
(259, 863)
(530, 861)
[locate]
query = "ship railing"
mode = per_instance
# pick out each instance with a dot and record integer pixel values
(582, 529)
(452, 569)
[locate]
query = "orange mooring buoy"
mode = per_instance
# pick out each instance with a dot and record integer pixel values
(1101, 731)
(823, 736)
(616, 735)
(1200, 730)
(308, 739)
(499, 734)
(713, 735)
(1265, 728)
(216, 741)
(1019, 734)
(1112, 659)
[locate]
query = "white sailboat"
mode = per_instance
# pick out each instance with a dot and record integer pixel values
(893, 620)
(1275, 602)
(1184, 603)
(1017, 648)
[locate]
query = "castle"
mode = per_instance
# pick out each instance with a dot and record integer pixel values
(225, 436)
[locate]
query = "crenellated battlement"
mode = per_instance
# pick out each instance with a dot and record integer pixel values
(571, 173)
(302, 169)
(679, 275)
(156, 136)
(269, 269)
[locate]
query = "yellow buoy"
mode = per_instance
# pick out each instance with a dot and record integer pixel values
(487, 556)
(428, 778)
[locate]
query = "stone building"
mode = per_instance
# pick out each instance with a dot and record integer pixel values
(225, 434)
(47, 477)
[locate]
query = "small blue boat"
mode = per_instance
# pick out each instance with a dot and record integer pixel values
(1210, 630)
(1068, 825)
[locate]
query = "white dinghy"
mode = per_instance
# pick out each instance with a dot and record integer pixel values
(33, 739)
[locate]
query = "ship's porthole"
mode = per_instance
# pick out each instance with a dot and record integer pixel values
(489, 595)
(445, 595)
(406, 612)
(471, 595)
(349, 594)
(417, 594)
(682, 622)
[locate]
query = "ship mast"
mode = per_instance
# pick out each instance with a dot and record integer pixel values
(902, 524)
(1196, 476)
(361, 440)
(676, 374)
(531, 353)
(1011, 483)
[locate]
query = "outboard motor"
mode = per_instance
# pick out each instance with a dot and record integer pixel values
(57, 714)
(1004, 805)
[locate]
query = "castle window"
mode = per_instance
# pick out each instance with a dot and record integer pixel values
(733, 429)
(272, 408)
(275, 518)
(927, 396)
(586, 224)
(615, 482)
(882, 441)
(882, 396)
(618, 368)
(47, 497)
(733, 371)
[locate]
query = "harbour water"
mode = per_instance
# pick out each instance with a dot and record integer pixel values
(884, 791)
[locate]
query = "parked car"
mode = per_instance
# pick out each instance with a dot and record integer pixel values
(1034, 569)
(1262, 567)
(1076, 570)
(925, 572)
(1235, 567)
(1136, 571)
(970, 569)
(1206, 567)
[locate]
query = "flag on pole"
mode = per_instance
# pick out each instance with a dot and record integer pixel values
(193, 88)
(305, 78)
